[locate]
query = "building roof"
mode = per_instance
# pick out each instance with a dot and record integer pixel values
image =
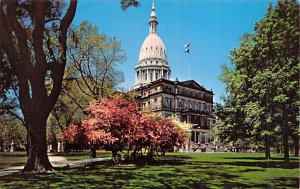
(153, 47)
(192, 84)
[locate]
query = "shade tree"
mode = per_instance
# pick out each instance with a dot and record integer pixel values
(33, 41)
(262, 82)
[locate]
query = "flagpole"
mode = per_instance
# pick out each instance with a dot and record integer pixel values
(189, 68)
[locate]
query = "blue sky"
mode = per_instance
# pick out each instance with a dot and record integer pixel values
(212, 27)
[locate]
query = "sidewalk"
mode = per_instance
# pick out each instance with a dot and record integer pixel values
(56, 161)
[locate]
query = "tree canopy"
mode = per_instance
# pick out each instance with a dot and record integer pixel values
(263, 81)
(117, 125)
(33, 57)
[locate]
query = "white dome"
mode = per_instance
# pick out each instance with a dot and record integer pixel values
(153, 47)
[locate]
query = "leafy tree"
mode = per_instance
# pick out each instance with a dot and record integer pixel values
(112, 123)
(116, 124)
(93, 58)
(11, 130)
(24, 28)
(90, 73)
(263, 84)
(33, 39)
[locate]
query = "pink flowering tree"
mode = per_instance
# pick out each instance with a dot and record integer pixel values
(161, 134)
(75, 136)
(112, 123)
(117, 125)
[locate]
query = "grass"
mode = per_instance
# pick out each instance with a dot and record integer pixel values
(178, 170)
(75, 156)
(11, 159)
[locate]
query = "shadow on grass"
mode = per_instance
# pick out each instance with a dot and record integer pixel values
(12, 155)
(286, 182)
(291, 165)
(261, 158)
(71, 154)
(166, 172)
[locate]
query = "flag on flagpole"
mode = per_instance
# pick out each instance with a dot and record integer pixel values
(187, 48)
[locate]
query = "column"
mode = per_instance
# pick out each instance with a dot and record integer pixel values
(200, 137)
(193, 136)
(140, 75)
(147, 79)
(154, 73)
(136, 77)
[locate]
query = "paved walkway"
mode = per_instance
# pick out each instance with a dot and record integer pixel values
(56, 161)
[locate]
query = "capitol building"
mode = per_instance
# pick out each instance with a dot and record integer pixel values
(187, 100)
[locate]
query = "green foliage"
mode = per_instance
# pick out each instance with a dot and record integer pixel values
(263, 80)
(93, 58)
(11, 129)
(90, 74)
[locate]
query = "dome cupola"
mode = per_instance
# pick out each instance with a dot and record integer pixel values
(153, 63)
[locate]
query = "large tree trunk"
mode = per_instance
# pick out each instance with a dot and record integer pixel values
(31, 66)
(37, 158)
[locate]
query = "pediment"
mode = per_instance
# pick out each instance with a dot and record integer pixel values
(192, 84)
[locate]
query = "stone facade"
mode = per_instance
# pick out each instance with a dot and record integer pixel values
(187, 100)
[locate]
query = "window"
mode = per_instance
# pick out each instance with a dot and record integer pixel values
(179, 104)
(155, 102)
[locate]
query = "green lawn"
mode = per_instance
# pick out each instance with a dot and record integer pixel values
(179, 170)
(74, 156)
(11, 159)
